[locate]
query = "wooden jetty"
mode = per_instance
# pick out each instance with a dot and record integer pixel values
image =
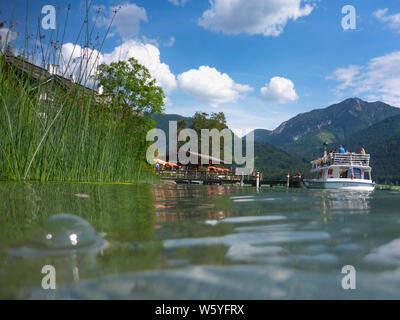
(195, 177)
(209, 177)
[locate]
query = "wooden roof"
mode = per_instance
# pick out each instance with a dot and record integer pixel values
(200, 156)
(41, 74)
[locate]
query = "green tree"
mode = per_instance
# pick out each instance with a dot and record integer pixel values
(181, 125)
(131, 96)
(202, 120)
(129, 85)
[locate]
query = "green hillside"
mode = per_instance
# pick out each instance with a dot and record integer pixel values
(275, 163)
(382, 141)
(261, 135)
(162, 121)
(305, 133)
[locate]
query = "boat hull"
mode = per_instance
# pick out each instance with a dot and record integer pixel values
(360, 185)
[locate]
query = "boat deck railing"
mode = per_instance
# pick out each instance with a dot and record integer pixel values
(352, 159)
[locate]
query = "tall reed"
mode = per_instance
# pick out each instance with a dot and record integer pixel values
(65, 133)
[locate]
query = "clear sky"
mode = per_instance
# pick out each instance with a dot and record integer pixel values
(259, 61)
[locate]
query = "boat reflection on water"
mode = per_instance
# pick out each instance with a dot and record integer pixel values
(339, 201)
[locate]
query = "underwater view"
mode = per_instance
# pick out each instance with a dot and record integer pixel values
(128, 241)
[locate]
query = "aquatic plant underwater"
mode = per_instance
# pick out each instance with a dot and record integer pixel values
(109, 228)
(56, 132)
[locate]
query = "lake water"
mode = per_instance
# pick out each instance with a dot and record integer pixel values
(196, 242)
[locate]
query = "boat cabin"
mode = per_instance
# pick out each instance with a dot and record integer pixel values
(341, 165)
(343, 171)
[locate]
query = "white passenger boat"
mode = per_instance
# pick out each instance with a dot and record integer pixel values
(348, 171)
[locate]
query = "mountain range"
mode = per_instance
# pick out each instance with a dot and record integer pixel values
(353, 123)
(382, 141)
(162, 120)
(305, 133)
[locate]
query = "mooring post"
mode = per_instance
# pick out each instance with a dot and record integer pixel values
(258, 180)
(241, 180)
(288, 180)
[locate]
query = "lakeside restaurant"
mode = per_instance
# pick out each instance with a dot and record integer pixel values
(202, 162)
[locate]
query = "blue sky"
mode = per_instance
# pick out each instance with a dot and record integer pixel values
(259, 61)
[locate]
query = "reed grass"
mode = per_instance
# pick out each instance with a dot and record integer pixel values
(71, 136)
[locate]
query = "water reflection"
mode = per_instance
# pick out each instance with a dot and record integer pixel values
(335, 201)
(176, 203)
(124, 214)
(185, 241)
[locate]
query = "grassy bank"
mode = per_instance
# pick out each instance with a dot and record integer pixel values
(53, 127)
(69, 136)
(387, 187)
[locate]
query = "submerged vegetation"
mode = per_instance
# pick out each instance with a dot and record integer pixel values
(55, 128)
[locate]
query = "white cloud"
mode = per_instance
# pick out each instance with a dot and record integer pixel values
(127, 20)
(211, 86)
(127, 26)
(154, 42)
(170, 42)
(267, 17)
(279, 90)
(378, 80)
(345, 75)
(178, 2)
(147, 55)
(241, 122)
(6, 35)
(167, 102)
(79, 62)
(393, 21)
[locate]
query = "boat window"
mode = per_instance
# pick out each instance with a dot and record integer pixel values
(367, 175)
(344, 173)
(357, 173)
